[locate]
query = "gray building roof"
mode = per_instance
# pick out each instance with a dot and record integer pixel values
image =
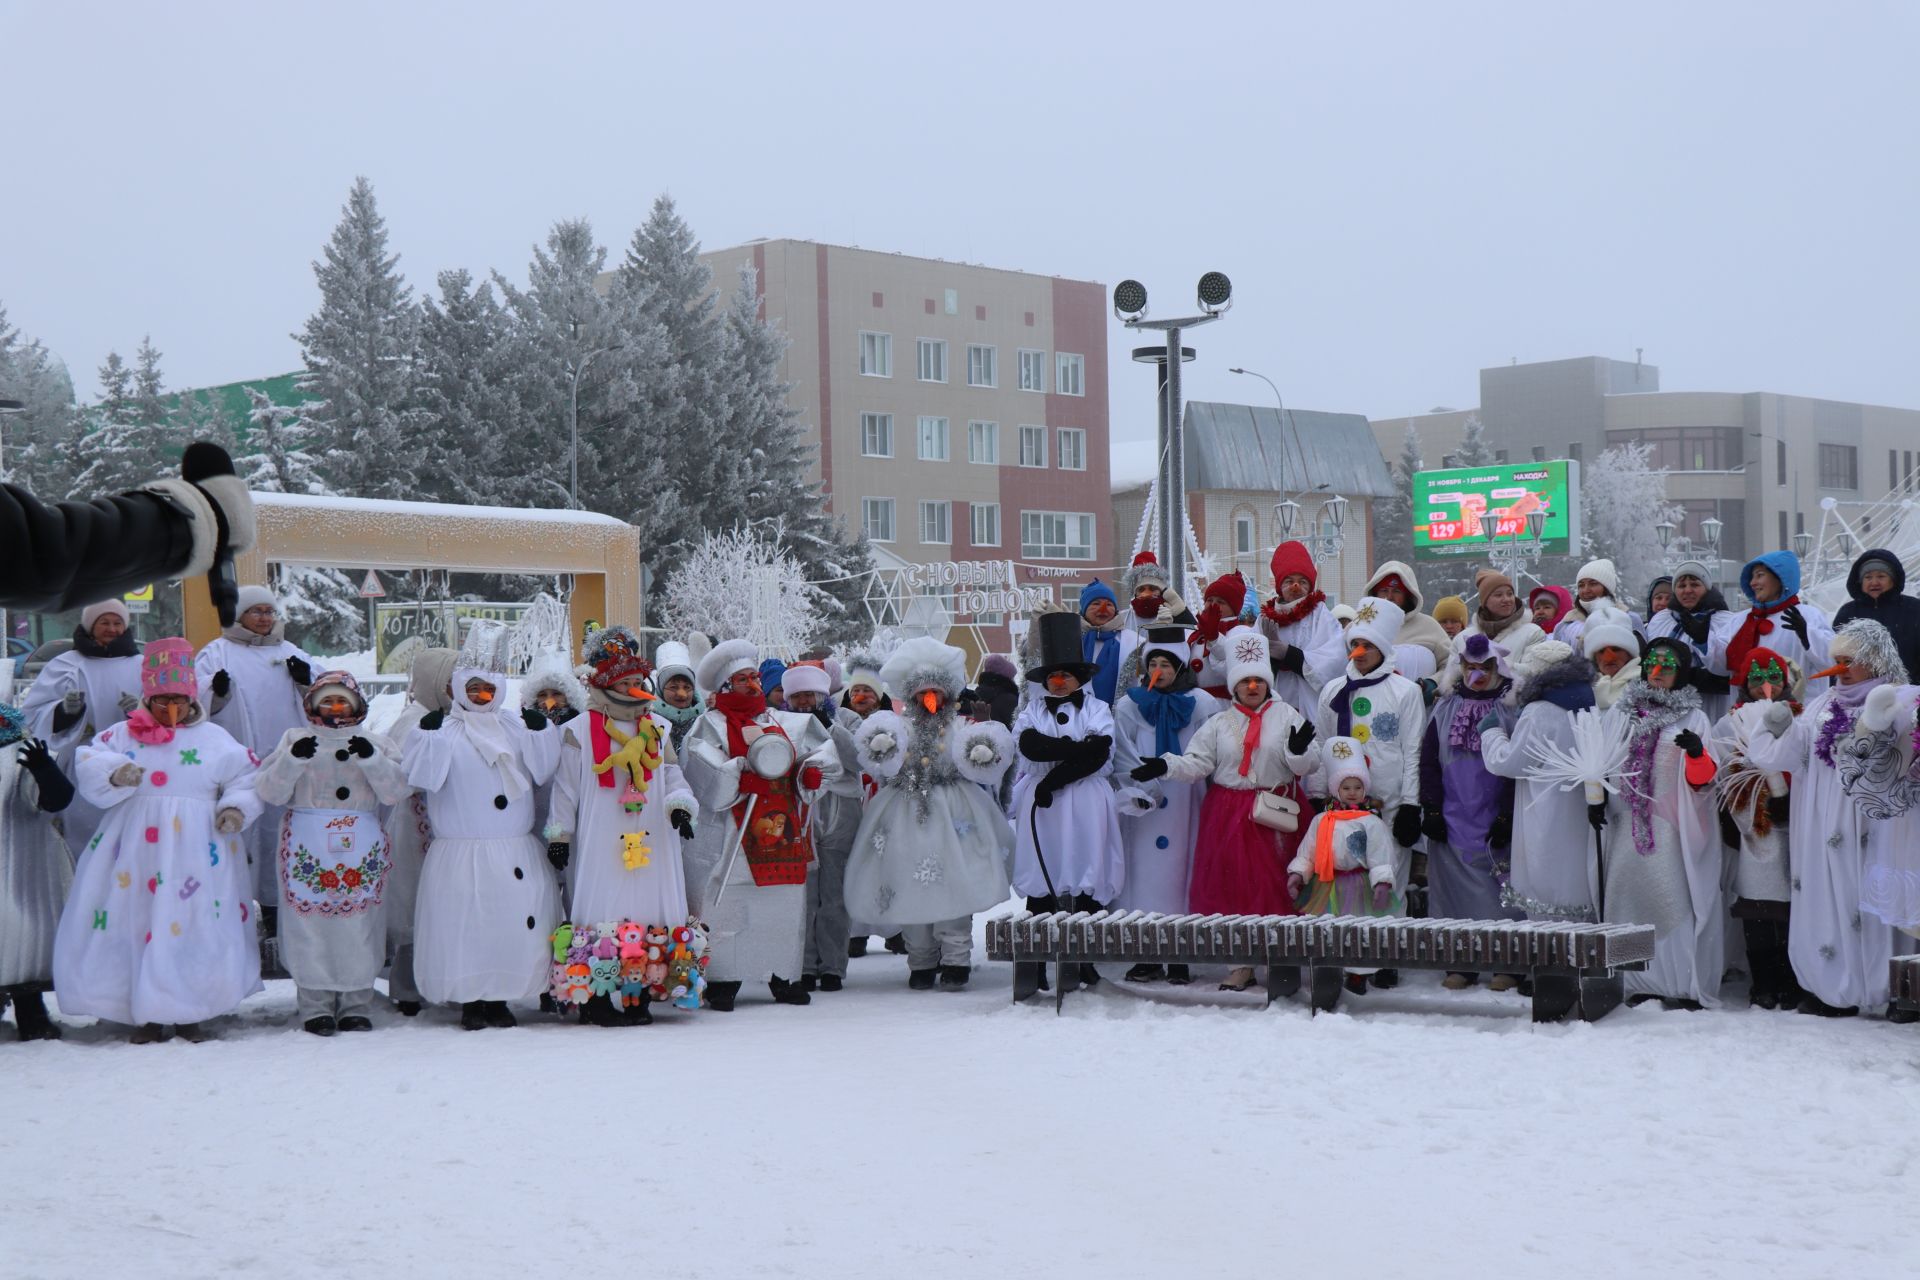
(1240, 446)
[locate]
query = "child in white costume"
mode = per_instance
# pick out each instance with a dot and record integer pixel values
(331, 856)
(932, 848)
(158, 928)
(1347, 864)
(486, 905)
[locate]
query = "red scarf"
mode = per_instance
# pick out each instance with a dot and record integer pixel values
(777, 848)
(1252, 743)
(1753, 629)
(741, 710)
(1294, 612)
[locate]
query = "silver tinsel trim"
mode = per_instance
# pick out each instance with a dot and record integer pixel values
(1539, 910)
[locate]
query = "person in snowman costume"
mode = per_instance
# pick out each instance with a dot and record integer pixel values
(932, 848)
(486, 906)
(78, 694)
(429, 690)
(332, 855)
(757, 773)
(621, 810)
(158, 929)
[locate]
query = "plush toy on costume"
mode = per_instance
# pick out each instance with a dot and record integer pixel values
(687, 966)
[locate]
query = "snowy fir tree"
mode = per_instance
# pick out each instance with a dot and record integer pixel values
(358, 349)
(468, 395)
(1393, 528)
(321, 605)
(1623, 497)
(712, 589)
(126, 439)
(38, 445)
(1474, 450)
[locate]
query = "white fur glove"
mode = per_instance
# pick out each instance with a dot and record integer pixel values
(229, 821)
(881, 745)
(1883, 704)
(127, 775)
(1778, 719)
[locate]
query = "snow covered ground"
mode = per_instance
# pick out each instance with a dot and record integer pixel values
(883, 1132)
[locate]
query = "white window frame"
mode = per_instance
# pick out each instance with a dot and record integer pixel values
(1037, 548)
(983, 359)
(938, 348)
(929, 424)
(1077, 437)
(1038, 434)
(872, 507)
(1033, 370)
(992, 511)
(936, 523)
(1069, 374)
(1244, 522)
(991, 436)
(876, 422)
(876, 354)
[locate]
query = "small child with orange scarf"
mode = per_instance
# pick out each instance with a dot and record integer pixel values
(1345, 865)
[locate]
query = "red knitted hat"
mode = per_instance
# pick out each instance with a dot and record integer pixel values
(1293, 557)
(1229, 587)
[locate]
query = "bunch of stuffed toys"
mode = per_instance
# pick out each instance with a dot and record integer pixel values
(629, 963)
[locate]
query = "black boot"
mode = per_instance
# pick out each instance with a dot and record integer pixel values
(1356, 983)
(473, 1015)
(922, 979)
(640, 1015)
(354, 1022)
(1178, 975)
(30, 1017)
(192, 1032)
(498, 1015)
(1820, 1008)
(856, 947)
(1144, 972)
(547, 1003)
(785, 992)
(320, 1026)
(953, 977)
(1385, 979)
(809, 982)
(897, 944)
(831, 982)
(1089, 976)
(720, 996)
(408, 1008)
(598, 1011)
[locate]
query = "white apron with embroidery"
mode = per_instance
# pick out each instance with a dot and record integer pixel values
(333, 872)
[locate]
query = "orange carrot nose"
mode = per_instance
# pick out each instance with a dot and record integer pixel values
(1358, 652)
(1833, 670)
(1766, 688)
(931, 701)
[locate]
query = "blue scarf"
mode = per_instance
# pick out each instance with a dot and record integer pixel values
(1168, 713)
(1102, 649)
(1343, 699)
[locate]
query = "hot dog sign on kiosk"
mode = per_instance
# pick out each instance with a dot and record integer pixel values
(1451, 508)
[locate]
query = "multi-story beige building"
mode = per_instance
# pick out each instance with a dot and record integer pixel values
(960, 411)
(1759, 461)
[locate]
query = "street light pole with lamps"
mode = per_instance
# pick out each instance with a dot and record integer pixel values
(576, 368)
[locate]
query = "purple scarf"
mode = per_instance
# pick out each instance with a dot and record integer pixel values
(1843, 708)
(1463, 731)
(1343, 700)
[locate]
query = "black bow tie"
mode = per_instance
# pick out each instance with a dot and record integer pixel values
(1077, 698)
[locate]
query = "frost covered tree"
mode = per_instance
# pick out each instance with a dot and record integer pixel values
(468, 395)
(1474, 450)
(321, 605)
(38, 445)
(358, 348)
(713, 588)
(1393, 518)
(1623, 497)
(126, 437)
(277, 459)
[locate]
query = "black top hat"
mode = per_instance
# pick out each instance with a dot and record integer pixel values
(1060, 648)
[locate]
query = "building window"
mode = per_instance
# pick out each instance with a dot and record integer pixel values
(1070, 374)
(983, 443)
(1033, 370)
(1839, 466)
(933, 360)
(933, 439)
(876, 435)
(1056, 535)
(1688, 448)
(1893, 468)
(1906, 468)
(1732, 514)
(1243, 533)
(986, 524)
(1033, 446)
(936, 526)
(1783, 543)
(1780, 462)
(876, 355)
(983, 367)
(1073, 449)
(876, 517)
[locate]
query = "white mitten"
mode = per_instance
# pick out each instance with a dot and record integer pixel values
(1778, 719)
(1883, 704)
(127, 775)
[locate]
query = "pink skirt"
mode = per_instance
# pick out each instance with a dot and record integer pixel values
(1239, 866)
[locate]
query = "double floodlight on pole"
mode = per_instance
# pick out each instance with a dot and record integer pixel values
(1214, 294)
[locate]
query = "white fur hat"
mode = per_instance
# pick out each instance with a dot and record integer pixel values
(805, 677)
(552, 671)
(1345, 758)
(724, 661)
(1602, 572)
(864, 669)
(252, 595)
(671, 659)
(1540, 655)
(1608, 627)
(924, 663)
(1377, 622)
(94, 612)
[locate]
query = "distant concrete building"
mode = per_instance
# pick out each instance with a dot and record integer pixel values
(1759, 461)
(960, 411)
(1241, 460)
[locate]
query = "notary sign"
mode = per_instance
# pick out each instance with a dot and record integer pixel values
(1453, 509)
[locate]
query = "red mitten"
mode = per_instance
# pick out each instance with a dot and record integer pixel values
(810, 778)
(1700, 770)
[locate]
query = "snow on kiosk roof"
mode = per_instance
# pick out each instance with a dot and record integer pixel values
(602, 553)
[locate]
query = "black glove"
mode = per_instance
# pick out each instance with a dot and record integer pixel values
(207, 468)
(532, 719)
(1042, 748)
(1729, 830)
(1043, 792)
(1708, 683)
(1301, 738)
(56, 792)
(1780, 809)
(360, 747)
(1289, 661)
(1796, 623)
(1433, 824)
(303, 748)
(558, 851)
(432, 720)
(1090, 752)
(1406, 825)
(1694, 624)
(1500, 831)
(299, 670)
(223, 683)
(1689, 741)
(1597, 815)
(1428, 691)
(683, 823)
(1148, 770)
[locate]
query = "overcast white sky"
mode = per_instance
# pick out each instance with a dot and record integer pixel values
(1402, 193)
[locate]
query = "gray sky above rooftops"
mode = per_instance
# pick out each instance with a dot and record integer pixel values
(1402, 193)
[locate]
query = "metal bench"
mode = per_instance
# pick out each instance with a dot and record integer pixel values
(1903, 983)
(1575, 968)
